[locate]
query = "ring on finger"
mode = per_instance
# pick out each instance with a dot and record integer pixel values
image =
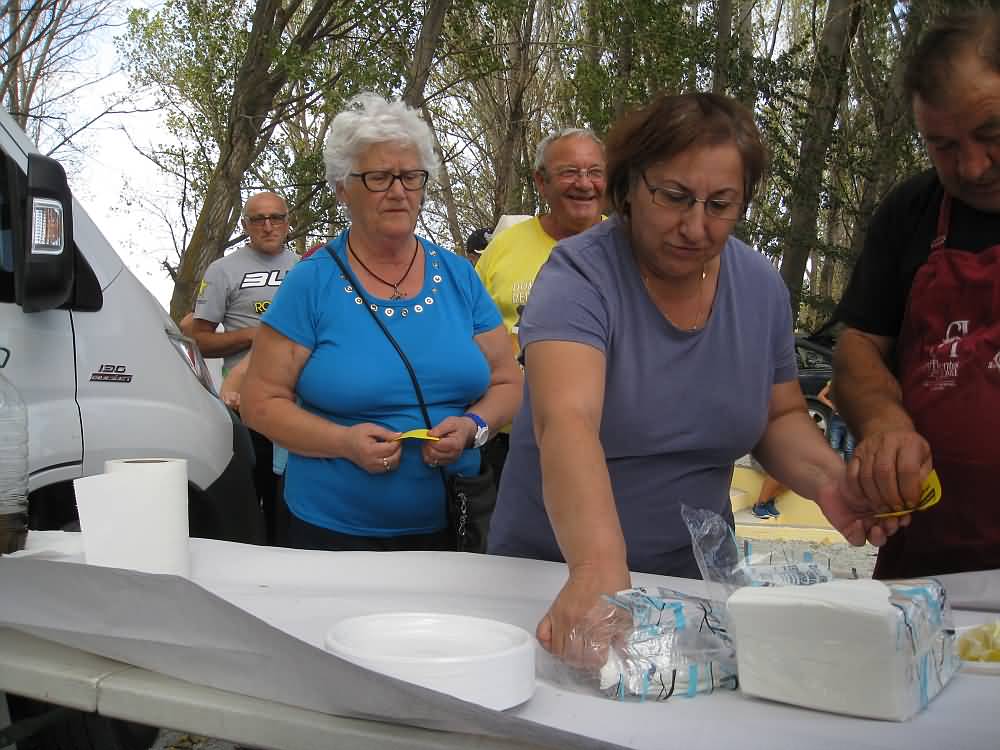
(433, 464)
(385, 463)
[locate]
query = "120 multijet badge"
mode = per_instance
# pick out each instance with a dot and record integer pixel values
(111, 374)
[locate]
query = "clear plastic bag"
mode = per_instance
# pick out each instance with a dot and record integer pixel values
(654, 646)
(724, 563)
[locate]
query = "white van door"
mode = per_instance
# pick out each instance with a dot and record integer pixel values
(36, 355)
(39, 353)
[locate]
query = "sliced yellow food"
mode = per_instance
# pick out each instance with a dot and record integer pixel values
(981, 643)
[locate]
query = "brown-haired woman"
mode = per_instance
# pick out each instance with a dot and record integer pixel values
(658, 349)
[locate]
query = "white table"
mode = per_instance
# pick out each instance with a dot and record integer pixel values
(248, 633)
(50, 672)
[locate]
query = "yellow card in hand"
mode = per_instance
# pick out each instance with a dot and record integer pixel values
(930, 495)
(420, 434)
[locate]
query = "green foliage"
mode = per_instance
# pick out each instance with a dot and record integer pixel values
(507, 72)
(189, 51)
(629, 50)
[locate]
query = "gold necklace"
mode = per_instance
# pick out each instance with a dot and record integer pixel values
(698, 323)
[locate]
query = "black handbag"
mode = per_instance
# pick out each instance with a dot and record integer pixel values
(469, 500)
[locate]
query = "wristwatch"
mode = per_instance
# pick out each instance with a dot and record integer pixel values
(482, 430)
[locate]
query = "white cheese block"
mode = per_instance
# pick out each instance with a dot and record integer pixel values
(862, 647)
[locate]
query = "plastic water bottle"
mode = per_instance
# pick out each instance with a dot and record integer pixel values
(13, 468)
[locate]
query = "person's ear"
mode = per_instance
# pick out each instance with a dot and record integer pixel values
(539, 179)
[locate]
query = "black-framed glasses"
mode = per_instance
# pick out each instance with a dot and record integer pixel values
(258, 220)
(379, 180)
(680, 200)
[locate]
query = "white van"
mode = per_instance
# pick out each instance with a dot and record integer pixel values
(104, 371)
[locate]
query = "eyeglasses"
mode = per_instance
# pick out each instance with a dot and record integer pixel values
(572, 174)
(261, 219)
(380, 181)
(682, 201)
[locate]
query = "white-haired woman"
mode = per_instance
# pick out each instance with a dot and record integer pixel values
(326, 382)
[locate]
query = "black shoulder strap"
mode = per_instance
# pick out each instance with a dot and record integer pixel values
(392, 339)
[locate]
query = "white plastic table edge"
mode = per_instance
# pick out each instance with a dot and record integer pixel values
(40, 669)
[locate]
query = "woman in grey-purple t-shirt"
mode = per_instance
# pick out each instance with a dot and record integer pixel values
(657, 349)
(679, 406)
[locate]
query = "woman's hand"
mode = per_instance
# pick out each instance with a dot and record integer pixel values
(373, 448)
(456, 435)
(852, 514)
(794, 452)
(231, 399)
(577, 601)
(229, 391)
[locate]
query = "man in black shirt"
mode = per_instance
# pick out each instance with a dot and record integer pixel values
(917, 371)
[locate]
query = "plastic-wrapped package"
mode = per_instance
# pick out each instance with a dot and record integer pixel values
(865, 648)
(655, 646)
(722, 562)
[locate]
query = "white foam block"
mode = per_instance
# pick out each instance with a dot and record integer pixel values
(855, 647)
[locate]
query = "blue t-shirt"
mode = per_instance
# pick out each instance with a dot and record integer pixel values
(679, 406)
(354, 375)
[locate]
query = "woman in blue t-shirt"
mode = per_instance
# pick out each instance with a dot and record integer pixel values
(325, 381)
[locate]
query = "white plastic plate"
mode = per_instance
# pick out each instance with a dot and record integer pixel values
(482, 661)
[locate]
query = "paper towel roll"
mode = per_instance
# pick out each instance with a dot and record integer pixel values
(136, 515)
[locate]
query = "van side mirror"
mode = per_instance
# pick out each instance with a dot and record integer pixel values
(44, 270)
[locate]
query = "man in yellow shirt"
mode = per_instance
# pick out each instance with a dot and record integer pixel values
(570, 175)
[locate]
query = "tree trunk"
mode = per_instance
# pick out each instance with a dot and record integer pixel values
(826, 86)
(828, 262)
(743, 87)
(592, 33)
(623, 67)
(423, 55)
(506, 196)
(447, 195)
(890, 126)
(690, 77)
(724, 32)
(776, 21)
(252, 117)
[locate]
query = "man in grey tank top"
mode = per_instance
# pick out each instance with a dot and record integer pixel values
(235, 291)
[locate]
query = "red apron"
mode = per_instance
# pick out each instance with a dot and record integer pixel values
(949, 370)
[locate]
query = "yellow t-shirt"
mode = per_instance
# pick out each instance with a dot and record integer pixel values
(508, 267)
(511, 262)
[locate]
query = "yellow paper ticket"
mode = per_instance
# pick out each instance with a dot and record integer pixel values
(420, 434)
(930, 495)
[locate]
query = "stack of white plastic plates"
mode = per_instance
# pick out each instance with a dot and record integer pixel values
(482, 661)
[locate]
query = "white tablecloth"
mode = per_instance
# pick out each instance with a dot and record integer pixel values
(252, 620)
